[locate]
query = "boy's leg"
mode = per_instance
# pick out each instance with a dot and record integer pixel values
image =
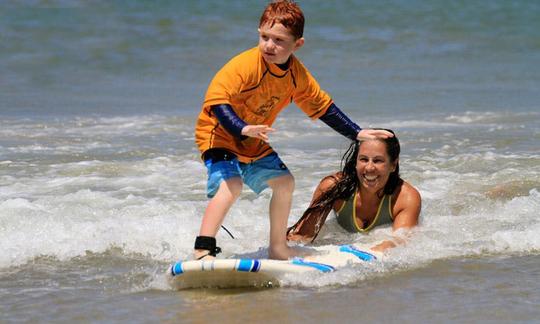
(271, 172)
(280, 207)
(223, 188)
(229, 190)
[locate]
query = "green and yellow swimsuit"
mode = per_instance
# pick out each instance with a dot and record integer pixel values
(346, 215)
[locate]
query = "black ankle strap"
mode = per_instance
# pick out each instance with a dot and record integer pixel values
(207, 243)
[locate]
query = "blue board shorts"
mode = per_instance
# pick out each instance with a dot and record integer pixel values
(254, 174)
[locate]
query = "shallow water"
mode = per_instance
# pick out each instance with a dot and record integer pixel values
(468, 290)
(101, 187)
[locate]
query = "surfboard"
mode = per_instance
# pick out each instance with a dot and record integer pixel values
(236, 273)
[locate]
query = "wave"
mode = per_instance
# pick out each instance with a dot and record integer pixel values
(74, 187)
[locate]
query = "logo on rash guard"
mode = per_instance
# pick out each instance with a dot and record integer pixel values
(267, 106)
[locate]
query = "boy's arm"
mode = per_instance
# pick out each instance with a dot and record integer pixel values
(236, 126)
(336, 119)
(339, 122)
(229, 120)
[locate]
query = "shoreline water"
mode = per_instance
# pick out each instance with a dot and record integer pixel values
(445, 291)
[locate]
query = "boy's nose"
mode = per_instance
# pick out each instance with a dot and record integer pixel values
(270, 44)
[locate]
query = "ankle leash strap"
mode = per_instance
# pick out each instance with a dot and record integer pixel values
(207, 243)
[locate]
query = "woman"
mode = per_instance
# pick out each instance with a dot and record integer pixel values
(367, 193)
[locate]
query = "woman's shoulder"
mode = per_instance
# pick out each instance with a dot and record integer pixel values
(330, 180)
(328, 183)
(407, 195)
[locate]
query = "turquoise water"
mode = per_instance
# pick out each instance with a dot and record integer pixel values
(101, 187)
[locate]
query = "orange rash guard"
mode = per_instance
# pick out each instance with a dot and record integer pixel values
(257, 91)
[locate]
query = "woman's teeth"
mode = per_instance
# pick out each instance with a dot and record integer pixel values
(370, 178)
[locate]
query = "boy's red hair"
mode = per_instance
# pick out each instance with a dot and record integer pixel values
(287, 13)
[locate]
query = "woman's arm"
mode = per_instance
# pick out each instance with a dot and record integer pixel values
(308, 226)
(406, 210)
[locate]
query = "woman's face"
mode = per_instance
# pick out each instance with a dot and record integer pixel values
(373, 165)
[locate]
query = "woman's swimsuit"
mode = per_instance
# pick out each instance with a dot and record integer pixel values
(346, 215)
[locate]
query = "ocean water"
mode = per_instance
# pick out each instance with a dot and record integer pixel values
(101, 187)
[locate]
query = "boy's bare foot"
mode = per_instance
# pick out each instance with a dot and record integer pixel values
(285, 252)
(280, 252)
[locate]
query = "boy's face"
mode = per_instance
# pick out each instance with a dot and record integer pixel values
(277, 43)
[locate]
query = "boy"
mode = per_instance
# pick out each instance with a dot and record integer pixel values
(241, 103)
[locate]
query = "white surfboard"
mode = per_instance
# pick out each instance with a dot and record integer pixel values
(232, 273)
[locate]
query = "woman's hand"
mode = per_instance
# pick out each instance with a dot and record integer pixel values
(383, 246)
(299, 238)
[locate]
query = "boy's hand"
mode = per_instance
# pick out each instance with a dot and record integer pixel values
(370, 134)
(257, 131)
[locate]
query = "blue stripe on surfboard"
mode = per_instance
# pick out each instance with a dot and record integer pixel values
(176, 269)
(319, 266)
(249, 265)
(256, 266)
(363, 255)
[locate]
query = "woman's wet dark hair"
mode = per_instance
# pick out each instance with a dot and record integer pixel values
(348, 182)
(393, 149)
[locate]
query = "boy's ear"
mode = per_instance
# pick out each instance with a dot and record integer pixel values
(299, 43)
